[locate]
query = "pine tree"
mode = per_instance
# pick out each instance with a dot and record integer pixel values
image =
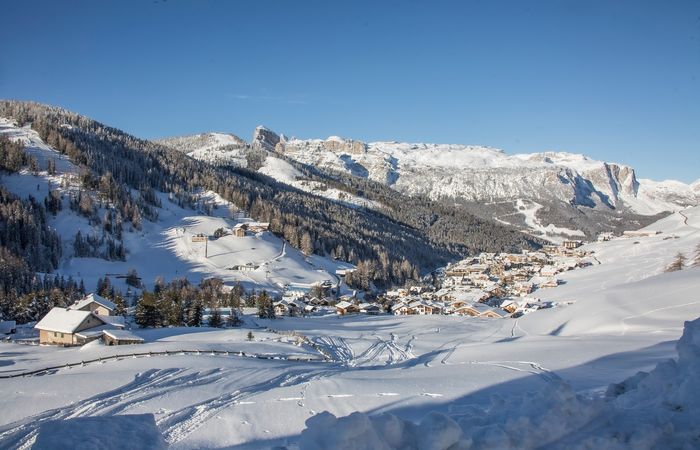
(266, 309)
(215, 319)
(677, 263)
(120, 306)
(147, 313)
(196, 311)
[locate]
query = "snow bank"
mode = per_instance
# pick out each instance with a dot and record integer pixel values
(659, 409)
(101, 433)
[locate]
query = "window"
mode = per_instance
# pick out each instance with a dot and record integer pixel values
(55, 334)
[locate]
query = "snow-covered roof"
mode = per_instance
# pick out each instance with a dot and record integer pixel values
(115, 321)
(343, 305)
(93, 332)
(93, 298)
(63, 320)
(123, 335)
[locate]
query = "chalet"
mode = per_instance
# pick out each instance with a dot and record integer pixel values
(509, 306)
(400, 309)
(95, 304)
(239, 230)
(281, 307)
(345, 271)
(570, 245)
(120, 337)
(492, 312)
(523, 289)
(420, 307)
(64, 326)
(342, 308)
(372, 309)
(467, 310)
(258, 227)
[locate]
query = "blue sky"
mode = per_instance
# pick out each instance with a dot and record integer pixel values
(616, 80)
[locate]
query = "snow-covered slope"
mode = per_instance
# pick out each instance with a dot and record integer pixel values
(505, 383)
(165, 248)
(216, 148)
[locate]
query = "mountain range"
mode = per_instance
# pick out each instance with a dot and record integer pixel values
(554, 195)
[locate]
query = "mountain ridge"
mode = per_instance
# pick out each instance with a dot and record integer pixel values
(587, 194)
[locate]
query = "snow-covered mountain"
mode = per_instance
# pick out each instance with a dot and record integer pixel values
(485, 174)
(552, 194)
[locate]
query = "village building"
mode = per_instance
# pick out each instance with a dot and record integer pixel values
(492, 312)
(239, 230)
(258, 227)
(420, 307)
(120, 337)
(372, 309)
(509, 306)
(344, 307)
(64, 326)
(570, 245)
(466, 310)
(400, 309)
(95, 304)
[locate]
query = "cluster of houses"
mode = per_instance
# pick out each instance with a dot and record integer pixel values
(87, 320)
(492, 285)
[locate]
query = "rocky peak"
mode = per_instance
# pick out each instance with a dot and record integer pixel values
(264, 139)
(340, 145)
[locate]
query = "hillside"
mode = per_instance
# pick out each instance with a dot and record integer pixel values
(162, 247)
(128, 196)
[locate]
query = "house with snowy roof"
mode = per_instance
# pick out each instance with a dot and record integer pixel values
(67, 327)
(96, 304)
(344, 307)
(421, 307)
(400, 309)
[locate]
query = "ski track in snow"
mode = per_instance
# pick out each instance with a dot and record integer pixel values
(149, 385)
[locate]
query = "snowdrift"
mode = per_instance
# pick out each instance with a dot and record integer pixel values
(651, 410)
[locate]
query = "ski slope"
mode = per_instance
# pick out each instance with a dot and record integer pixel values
(625, 315)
